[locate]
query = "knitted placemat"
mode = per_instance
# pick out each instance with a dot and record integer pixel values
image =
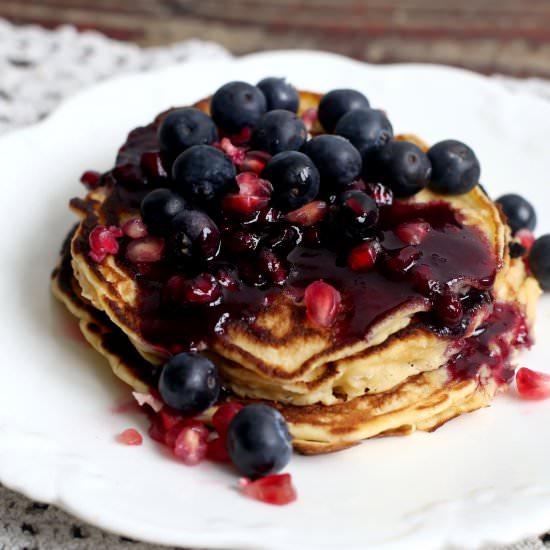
(39, 69)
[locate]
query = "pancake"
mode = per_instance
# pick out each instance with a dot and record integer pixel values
(396, 373)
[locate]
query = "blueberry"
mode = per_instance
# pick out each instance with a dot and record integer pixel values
(539, 261)
(258, 441)
(158, 208)
(237, 105)
(184, 128)
(357, 214)
(193, 234)
(294, 177)
(189, 383)
(455, 168)
(279, 94)
(519, 212)
(336, 103)
(337, 160)
(366, 129)
(278, 131)
(202, 173)
(402, 166)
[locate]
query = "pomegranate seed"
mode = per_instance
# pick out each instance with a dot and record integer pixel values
(173, 432)
(128, 174)
(151, 164)
(191, 444)
(91, 179)
(400, 263)
(251, 185)
(364, 256)
(255, 161)
(223, 417)
(413, 232)
(103, 241)
(274, 489)
(322, 303)
(227, 277)
(309, 214)
(309, 118)
(241, 241)
(448, 308)
(242, 204)
(242, 137)
(162, 423)
(217, 451)
(526, 238)
(236, 154)
(268, 215)
(272, 267)
(145, 250)
(532, 384)
(134, 228)
(130, 437)
(380, 193)
(148, 399)
(422, 280)
(203, 289)
(250, 274)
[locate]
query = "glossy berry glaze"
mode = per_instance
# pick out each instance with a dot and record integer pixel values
(427, 258)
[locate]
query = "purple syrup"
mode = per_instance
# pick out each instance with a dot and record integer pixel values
(491, 346)
(452, 258)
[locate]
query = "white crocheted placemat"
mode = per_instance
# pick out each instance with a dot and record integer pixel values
(39, 69)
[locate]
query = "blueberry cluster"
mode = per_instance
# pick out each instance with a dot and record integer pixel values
(257, 438)
(210, 201)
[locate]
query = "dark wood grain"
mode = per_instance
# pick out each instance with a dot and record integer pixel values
(507, 36)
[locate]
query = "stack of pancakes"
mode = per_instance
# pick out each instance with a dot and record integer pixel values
(395, 379)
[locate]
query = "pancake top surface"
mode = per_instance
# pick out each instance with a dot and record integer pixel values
(460, 255)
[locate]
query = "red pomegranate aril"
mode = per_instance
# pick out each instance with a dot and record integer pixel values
(135, 228)
(145, 250)
(526, 238)
(241, 241)
(272, 267)
(236, 154)
(413, 233)
(309, 118)
(151, 164)
(255, 161)
(130, 437)
(128, 174)
(532, 384)
(363, 257)
(250, 273)
(323, 303)
(242, 138)
(217, 451)
(223, 417)
(251, 185)
(268, 215)
(400, 263)
(103, 241)
(91, 179)
(274, 489)
(227, 277)
(380, 193)
(203, 289)
(309, 214)
(422, 280)
(191, 444)
(448, 308)
(243, 204)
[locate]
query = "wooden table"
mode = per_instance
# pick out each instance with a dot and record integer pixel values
(506, 36)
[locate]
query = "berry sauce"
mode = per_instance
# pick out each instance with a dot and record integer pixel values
(446, 271)
(491, 346)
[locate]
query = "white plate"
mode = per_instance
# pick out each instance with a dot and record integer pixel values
(482, 477)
